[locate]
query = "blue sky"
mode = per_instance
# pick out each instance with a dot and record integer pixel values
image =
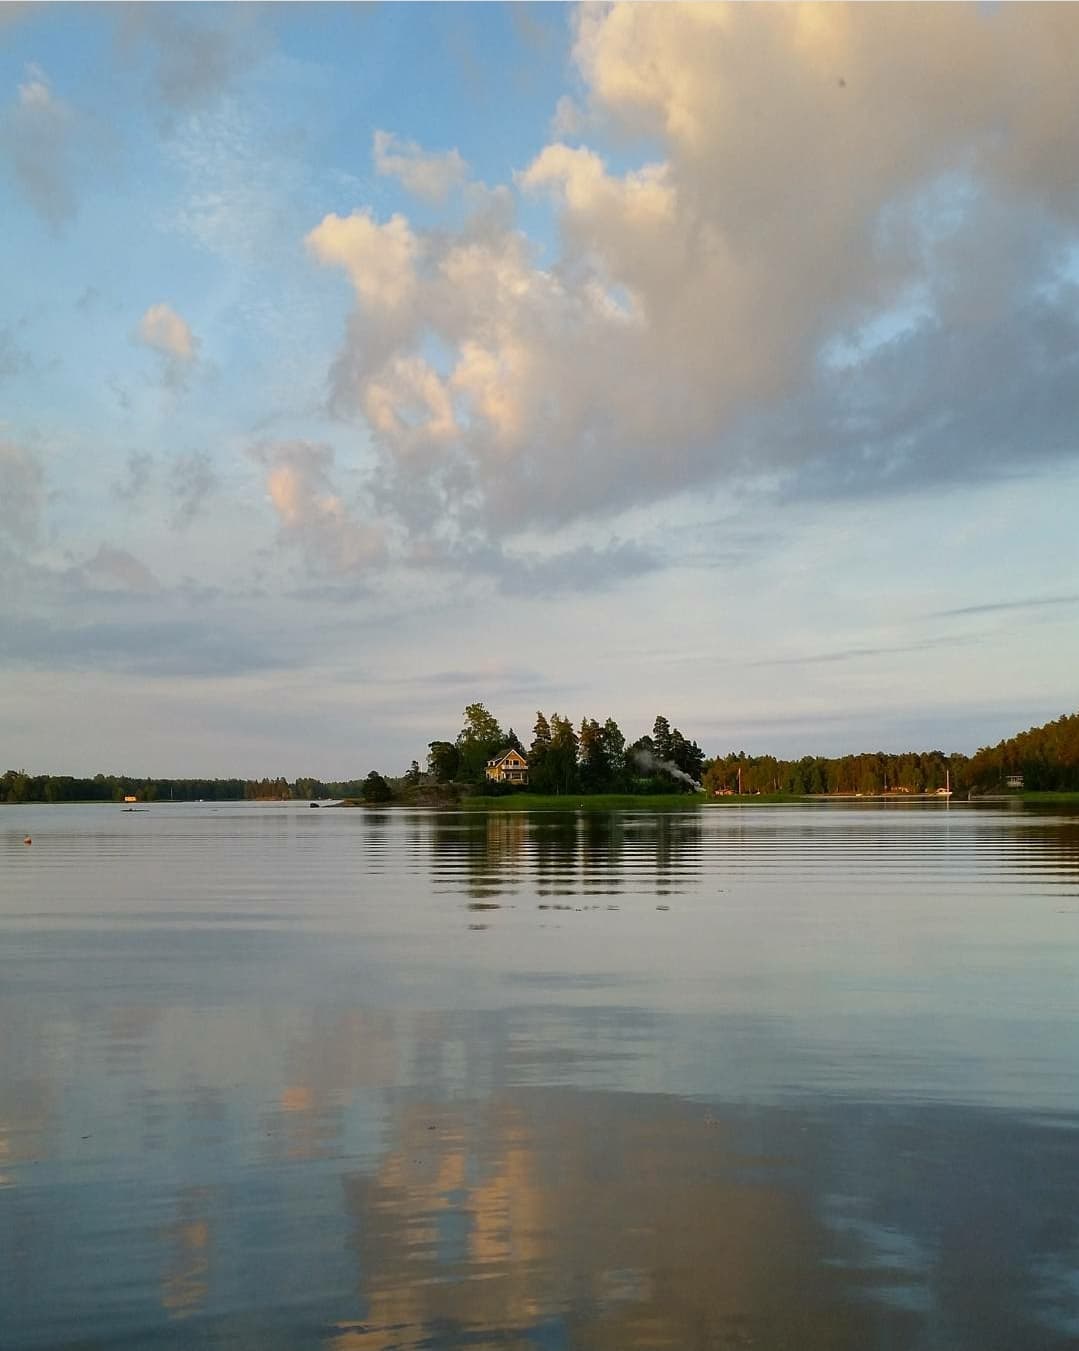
(360, 362)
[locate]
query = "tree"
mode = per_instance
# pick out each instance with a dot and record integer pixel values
(539, 777)
(478, 740)
(16, 785)
(375, 788)
(592, 757)
(614, 748)
(412, 774)
(562, 756)
(687, 755)
(480, 725)
(662, 743)
(443, 760)
(541, 733)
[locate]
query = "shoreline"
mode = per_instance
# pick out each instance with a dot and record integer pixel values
(588, 801)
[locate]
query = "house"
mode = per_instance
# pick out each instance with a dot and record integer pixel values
(1014, 780)
(510, 767)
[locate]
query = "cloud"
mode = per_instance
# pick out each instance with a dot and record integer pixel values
(14, 360)
(568, 120)
(138, 473)
(879, 650)
(425, 174)
(150, 647)
(116, 569)
(584, 567)
(380, 260)
(191, 63)
(896, 184)
(169, 334)
(36, 137)
(311, 516)
(22, 494)
(993, 607)
(192, 480)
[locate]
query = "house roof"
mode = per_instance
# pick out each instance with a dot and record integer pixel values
(501, 759)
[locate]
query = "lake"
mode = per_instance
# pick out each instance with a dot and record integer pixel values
(772, 1077)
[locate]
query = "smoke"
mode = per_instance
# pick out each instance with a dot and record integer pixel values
(645, 760)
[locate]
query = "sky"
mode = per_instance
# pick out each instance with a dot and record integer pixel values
(361, 362)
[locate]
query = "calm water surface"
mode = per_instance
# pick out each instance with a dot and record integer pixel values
(741, 1078)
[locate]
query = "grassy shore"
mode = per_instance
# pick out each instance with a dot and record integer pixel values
(596, 802)
(606, 802)
(1061, 795)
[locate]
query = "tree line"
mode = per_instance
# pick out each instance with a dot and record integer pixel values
(594, 757)
(16, 785)
(870, 773)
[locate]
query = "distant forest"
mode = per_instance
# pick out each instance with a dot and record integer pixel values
(595, 757)
(18, 786)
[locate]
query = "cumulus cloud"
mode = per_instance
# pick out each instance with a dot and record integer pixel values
(22, 494)
(36, 137)
(429, 175)
(169, 334)
(824, 174)
(380, 260)
(311, 516)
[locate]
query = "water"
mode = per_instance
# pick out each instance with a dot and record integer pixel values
(770, 1078)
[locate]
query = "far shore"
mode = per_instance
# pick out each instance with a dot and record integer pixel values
(515, 802)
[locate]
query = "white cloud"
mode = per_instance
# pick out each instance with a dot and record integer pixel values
(428, 175)
(168, 333)
(787, 207)
(380, 260)
(311, 515)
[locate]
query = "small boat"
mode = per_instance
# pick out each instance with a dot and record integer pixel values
(27, 840)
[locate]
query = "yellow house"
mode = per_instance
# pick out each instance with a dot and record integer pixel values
(509, 768)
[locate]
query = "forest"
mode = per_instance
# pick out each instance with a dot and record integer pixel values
(595, 757)
(1046, 756)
